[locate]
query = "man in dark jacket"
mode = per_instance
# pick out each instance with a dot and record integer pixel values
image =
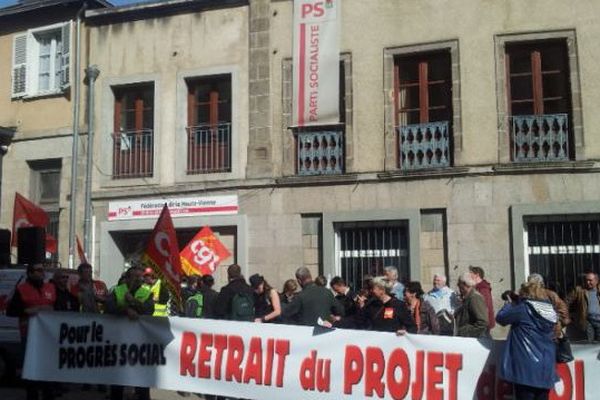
(312, 303)
(471, 317)
(210, 296)
(65, 300)
(235, 298)
(485, 289)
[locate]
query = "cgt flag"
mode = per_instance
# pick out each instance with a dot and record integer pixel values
(80, 251)
(26, 214)
(203, 253)
(162, 254)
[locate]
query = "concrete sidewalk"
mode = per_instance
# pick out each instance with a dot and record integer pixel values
(75, 393)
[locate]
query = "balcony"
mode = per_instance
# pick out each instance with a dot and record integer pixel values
(133, 154)
(540, 138)
(320, 152)
(209, 149)
(423, 146)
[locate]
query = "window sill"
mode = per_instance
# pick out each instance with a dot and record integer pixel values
(44, 95)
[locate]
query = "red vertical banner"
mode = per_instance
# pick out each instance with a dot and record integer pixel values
(162, 254)
(203, 253)
(316, 60)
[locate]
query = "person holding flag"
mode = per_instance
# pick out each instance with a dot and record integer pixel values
(160, 294)
(163, 264)
(27, 214)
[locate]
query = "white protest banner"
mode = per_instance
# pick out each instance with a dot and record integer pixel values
(250, 360)
(316, 59)
(178, 207)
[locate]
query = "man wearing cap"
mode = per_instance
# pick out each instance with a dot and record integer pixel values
(160, 294)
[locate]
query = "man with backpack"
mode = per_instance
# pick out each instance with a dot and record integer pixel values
(236, 300)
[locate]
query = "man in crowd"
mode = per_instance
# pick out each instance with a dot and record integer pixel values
(236, 299)
(485, 289)
(65, 300)
(444, 302)
(210, 295)
(91, 293)
(30, 297)
(391, 275)
(584, 306)
(471, 317)
(441, 297)
(160, 294)
(344, 295)
(131, 298)
(312, 303)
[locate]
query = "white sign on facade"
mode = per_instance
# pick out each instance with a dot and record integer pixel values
(178, 207)
(316, 62)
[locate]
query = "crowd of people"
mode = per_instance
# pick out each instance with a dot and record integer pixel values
(537, 315)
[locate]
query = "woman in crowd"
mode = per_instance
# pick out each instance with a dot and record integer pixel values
(528, 358)
(421, 311)
(290, 289)
(385, 313)
(267, 307)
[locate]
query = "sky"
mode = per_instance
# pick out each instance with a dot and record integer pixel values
(5, 3)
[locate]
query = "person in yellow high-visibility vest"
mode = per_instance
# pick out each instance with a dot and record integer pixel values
(160, 294)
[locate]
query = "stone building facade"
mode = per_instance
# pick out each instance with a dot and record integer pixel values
(468, 137)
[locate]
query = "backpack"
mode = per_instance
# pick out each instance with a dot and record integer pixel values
(194, 306)
(242, 307)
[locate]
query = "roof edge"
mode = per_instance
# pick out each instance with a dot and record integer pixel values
(156, 8)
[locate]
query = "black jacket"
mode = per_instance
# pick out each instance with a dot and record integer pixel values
(210, 302)
(389, 317)
(65, 301)
(310, 304)
(222, 308)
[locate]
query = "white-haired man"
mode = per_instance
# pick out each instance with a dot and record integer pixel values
(391, 275)
(471, 317)
(441, 297)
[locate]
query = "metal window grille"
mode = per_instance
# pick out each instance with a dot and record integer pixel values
(562, 251)
(366, 248)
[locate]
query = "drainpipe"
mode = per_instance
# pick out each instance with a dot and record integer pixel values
(75, 149)
(91, 74)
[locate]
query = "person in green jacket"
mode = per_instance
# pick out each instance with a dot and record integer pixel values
(471, 318)
(312, 303)
(133, 299)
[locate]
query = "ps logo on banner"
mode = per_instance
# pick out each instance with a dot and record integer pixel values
(315, 9)
(204, 254)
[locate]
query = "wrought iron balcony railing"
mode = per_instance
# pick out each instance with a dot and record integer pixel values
(424, 146)
(320, 152)
(209, 148)
(540, 138)
(133, 155)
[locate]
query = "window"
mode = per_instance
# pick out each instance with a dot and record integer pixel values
(423, 109)
(209, 124)
(133, 131)
(365, 248)
(41, 61)
(539, 100)
(562, 249)
(46, 176)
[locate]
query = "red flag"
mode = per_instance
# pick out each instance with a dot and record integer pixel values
(51, 244)
(80, 251)
(203, 253)
(162, 253)
(26, 214)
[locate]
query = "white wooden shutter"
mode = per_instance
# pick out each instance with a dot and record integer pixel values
(65, 59)
(19, 70)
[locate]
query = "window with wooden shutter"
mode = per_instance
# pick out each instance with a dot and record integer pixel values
(65, 62)
(19, 70)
